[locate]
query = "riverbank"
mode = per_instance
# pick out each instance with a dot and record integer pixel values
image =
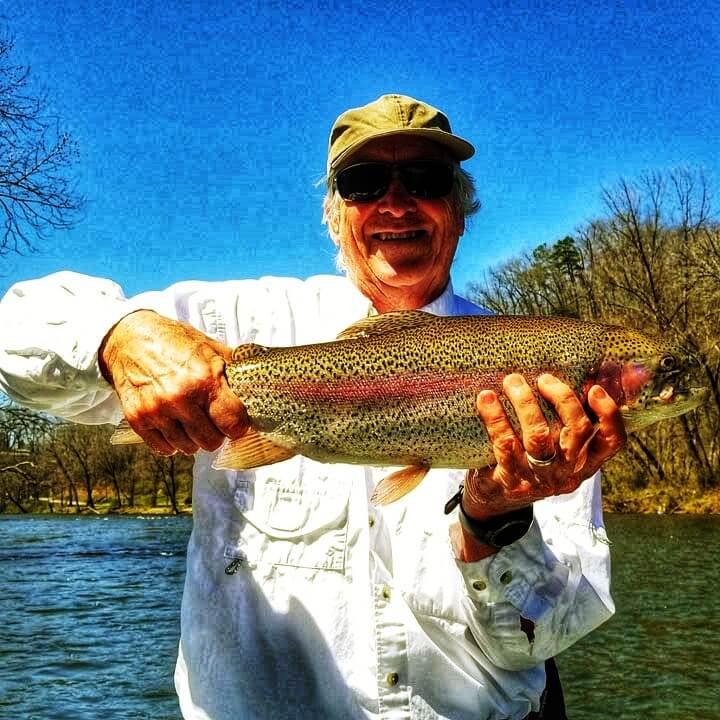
(650, 502)
(43, 507)
(663, 502)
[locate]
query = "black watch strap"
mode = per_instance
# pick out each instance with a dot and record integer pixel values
(498, 531)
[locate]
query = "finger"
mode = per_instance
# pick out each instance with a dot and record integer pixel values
(200, 429)
(225, 409)
(506, 447)
(224, 351)
(496, 422)
(480, 487)
(155, 440)
(536, 437)
(577, 428)
(484, 495)
(208, 410)
(174, 434)
(611, 435)
(144, 426)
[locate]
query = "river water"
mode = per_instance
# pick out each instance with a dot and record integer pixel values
(89, 612)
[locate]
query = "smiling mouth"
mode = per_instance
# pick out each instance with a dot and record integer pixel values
(407, 235)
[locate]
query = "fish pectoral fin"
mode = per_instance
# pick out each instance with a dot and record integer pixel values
(251, 450)
(385, 323)
(395, 485)
(124, 434)
(248, 351)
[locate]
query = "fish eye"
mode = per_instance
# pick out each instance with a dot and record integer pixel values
(668, 363)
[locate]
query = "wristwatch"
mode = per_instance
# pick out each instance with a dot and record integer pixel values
(497, 531)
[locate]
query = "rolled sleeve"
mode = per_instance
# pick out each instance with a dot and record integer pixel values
(51, 331)
(556, 576)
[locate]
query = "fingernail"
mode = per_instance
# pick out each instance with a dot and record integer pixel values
(486, 397)
(548, 378)
(514, 380)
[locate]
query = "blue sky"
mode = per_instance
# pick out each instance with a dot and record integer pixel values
(203, 125)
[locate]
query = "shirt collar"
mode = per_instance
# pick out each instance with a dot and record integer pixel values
(443, 304)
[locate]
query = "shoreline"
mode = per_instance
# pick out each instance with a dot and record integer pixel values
(644, 502)
(662, 502)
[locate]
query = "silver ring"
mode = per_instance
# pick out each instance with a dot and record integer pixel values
(534, 462)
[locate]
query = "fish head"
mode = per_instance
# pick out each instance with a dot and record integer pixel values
(649, 379)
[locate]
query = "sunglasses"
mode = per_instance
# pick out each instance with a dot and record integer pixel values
(368, 181)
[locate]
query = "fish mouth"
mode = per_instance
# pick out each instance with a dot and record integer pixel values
(399, 235)
(675, 400)
(671, 401)
(696, 394)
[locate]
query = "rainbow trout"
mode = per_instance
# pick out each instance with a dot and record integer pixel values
(399, 389)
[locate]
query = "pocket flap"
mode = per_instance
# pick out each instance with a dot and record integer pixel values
(287, 509)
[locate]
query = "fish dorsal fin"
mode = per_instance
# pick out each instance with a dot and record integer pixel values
(385, 323)
(248, 351)
(397, 484)
(251, 450)
(124, 434)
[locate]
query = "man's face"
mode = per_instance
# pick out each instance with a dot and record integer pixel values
(398, 249)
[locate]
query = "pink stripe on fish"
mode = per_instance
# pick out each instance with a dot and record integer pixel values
(413, 386)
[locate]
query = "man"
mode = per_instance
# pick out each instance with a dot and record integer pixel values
(302, 599)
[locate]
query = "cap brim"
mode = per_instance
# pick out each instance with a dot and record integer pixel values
(459, 149)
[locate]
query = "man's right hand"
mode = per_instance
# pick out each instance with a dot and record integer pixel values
(171, 382)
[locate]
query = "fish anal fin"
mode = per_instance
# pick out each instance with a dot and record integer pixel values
(124, 434)
(251, 450)
(385, 323)
(248, 351)
(398, 484)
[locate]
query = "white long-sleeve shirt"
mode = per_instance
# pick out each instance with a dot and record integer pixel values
(332, 608)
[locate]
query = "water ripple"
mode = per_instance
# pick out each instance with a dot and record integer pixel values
(90, 610)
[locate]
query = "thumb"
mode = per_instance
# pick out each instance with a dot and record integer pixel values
(224, 351)
(225, 408)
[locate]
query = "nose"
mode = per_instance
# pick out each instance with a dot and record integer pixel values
(397, 201)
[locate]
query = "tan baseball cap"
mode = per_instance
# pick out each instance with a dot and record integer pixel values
(392, 115)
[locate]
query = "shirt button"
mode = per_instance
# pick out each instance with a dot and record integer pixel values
(479, 585)
(392, 679)
(386, 592)
(506, 577)
(371, 521)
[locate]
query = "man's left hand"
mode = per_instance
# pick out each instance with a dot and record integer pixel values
(565, 457)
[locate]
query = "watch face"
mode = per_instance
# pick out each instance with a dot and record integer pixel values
(499, 531)
(509, 533)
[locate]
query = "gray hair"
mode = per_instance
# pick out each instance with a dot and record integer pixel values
(462, 199)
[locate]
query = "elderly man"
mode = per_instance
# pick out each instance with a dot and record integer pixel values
(302, 599)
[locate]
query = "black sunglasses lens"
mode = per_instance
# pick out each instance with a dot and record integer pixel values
(427, 179)
(363, 182)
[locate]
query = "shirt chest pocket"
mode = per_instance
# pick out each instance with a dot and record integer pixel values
(297, 524)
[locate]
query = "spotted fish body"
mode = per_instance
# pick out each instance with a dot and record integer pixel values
(401, 388)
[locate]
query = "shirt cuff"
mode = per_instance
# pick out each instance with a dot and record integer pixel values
(525, 574)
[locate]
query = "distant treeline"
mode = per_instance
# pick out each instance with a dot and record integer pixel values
(653, 263)
(48, 466)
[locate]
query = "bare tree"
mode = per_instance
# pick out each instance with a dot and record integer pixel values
(651, 262)
(22, 430)
(36, 193)
(22, 434)
(16, 491)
